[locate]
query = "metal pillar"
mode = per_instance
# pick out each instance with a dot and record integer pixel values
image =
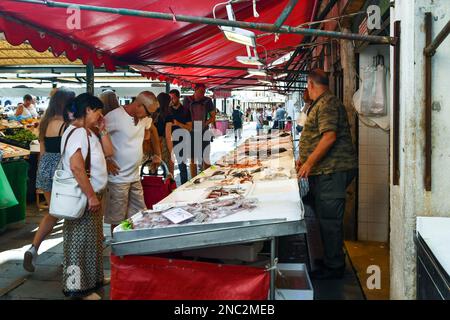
(429, 51)
(167, 86)
(90, 78)
(396, 108)
(285, 13)
(432, 47)
(428, 94)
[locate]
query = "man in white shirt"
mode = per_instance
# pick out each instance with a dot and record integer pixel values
(128, 126)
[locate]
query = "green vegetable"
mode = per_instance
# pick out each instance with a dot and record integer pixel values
(23, 136)
(127, 224)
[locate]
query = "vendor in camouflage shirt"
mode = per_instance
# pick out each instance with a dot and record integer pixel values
(328, 159)
(327, 113)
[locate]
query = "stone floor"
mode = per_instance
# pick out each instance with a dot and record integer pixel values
(364, 254)
(45, 283)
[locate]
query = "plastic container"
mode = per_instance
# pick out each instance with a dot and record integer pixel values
(294, 284)
(242, 252)
(17, 175)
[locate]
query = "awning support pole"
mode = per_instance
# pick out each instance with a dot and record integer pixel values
(218, 22)
(432, 47)
(90, 78)
(429, 51)
(396, 108)
(428, 94)
(221, 77)
(202, 66)
(167, 86)
(285, 13)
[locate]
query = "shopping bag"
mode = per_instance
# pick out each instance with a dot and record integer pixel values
(156, 186)
(7, 197)
(372, 98)
(156, 278)
(379, 102)
(303, 185)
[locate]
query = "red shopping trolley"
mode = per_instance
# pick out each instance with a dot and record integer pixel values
(157, 185)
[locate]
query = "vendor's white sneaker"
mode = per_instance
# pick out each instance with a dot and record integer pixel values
(29, 259)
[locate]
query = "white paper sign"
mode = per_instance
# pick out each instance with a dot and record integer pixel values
(177, 215)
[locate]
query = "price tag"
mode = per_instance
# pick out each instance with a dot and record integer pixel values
(177, 215)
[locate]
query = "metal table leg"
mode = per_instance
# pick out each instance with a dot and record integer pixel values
(273, 271)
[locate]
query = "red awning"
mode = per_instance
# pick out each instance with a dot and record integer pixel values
(114, 40)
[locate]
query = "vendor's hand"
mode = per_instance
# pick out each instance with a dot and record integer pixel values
(156, 161)
(298, 164)
(94, 204)
(305, 170)
(176, 123)
(112, 167)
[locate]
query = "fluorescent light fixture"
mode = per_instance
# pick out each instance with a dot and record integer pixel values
(281, 75)
(239, 35)
(249, 60)
(265, 82)
(257, 72)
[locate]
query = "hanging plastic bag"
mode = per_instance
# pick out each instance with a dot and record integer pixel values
(7, 197)
(382, 122)
(379, 107)
(373, 89)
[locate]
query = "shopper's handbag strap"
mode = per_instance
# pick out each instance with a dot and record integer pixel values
(87, 162)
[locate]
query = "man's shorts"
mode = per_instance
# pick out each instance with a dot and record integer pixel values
(122, 201)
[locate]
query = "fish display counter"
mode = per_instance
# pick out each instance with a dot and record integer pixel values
(249, 195)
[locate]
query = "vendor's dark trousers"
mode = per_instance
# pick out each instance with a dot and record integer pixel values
(183, 172)
(329, 192)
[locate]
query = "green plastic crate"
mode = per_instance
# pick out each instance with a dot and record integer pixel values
(17, 175)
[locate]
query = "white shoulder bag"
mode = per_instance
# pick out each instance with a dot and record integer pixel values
(68, 201)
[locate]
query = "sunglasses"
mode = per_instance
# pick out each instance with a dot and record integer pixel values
(146, 110)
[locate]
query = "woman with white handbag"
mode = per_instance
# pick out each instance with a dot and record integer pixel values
(51, 128)
(76, 196)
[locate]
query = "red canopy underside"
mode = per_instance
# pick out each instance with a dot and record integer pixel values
(113, 40)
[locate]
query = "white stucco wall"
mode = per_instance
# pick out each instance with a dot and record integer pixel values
(373, 189)
(409, 199)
